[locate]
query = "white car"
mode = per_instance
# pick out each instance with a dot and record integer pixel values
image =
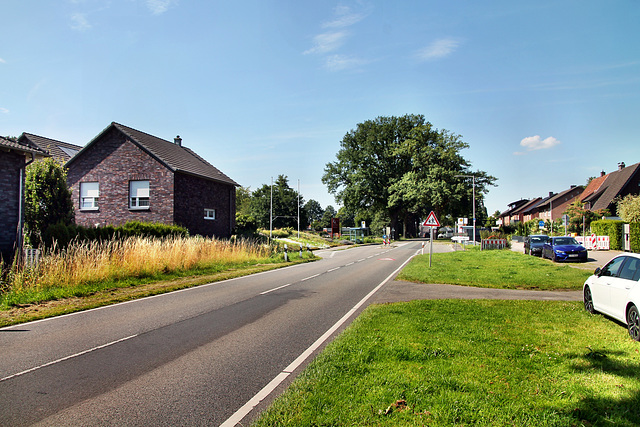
(614, 290)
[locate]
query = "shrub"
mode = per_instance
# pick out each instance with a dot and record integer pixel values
(634, 238)
(611, 228)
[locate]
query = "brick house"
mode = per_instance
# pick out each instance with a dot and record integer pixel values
(14, 158)
(127, 175)
(555, 206)
(602, 191)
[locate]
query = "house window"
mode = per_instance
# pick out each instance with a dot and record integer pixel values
(89, 193)
(138, 194)
(209, 214)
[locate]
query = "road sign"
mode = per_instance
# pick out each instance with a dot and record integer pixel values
(541, 224)
(431, 221)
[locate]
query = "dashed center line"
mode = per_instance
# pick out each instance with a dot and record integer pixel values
(310, 277)
(275, 289)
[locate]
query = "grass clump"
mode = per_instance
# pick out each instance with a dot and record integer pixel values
(501, 269)
(466, 362)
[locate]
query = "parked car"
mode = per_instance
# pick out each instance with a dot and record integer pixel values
(533, 244)
(564, 249)
(614, 290)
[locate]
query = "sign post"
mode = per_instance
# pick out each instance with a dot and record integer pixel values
(431, 222)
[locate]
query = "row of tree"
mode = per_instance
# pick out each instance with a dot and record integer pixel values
(390, 171)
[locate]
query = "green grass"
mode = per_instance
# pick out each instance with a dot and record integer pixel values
(469, 362)
(501, 269)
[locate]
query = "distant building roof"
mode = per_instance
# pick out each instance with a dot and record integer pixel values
(613, 185)
(59, 150)
(173, 155)
(21, 146)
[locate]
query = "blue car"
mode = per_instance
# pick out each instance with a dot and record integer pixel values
(564, 249)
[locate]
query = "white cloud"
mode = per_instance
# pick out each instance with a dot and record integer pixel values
(79, 22)
(343, 62)
(344, 18)
(158, 7)
(536, 143)
(4, 110)
(327, 42)
(438, 49)
(2, 61)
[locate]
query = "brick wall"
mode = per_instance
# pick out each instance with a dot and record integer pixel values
(193, 195)
(113, 161)
(10, 165)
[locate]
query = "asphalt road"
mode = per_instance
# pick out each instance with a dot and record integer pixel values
(191, 357)
(207, 355)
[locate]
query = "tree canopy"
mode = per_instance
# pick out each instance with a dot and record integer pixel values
(285, 205)
(403, 168)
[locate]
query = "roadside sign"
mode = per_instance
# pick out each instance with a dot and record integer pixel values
(541, 224)
(431, 221)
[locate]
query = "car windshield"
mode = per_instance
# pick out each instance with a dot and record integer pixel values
(565, 241)
(538, 239)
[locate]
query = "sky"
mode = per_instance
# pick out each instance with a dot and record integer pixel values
(546, 93)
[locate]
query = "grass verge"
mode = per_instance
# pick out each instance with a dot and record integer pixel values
(500, 269)
(469, 362)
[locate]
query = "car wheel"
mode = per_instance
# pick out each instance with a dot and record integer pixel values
(633, 323)
(588, 300)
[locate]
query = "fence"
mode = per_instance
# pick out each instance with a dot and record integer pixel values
(594, 243)
(494, 244)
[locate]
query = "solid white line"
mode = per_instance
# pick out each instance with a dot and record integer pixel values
(275, 289)
(262, 394)
(67, 358)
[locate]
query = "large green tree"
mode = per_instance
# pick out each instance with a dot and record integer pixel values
(403, 167)
(47, 199)
(285, 205)
(629, 208)
(313, 210)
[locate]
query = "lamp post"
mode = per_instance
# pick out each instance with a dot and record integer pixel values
(474, 202)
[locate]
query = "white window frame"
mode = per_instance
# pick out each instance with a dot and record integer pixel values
(139, 195)
(209, 214)
(89, 195)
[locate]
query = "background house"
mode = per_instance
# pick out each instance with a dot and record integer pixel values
(603, 190)
(124, 174)
(60, 151)
(14, 157)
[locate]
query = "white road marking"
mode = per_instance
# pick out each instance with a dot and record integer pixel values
(310, 277)
(234, 419)
(333, 269)
(68, 357)
(275, 289)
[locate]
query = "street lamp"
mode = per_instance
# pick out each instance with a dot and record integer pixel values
(474, 203)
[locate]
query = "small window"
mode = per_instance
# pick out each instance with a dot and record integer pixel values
(138, 194)
(209, 214)
(89, 194)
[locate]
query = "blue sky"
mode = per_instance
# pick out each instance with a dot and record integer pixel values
(546, 93)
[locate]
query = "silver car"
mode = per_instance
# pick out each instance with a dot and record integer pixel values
(614, 290)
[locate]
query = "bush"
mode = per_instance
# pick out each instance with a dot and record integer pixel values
(634, 238)
(61, 235)
(611, 228)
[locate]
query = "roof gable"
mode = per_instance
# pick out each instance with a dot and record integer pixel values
(175, 157)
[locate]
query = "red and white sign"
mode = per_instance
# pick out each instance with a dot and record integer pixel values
(431, 221)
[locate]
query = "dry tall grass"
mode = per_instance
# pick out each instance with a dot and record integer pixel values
(91, 262)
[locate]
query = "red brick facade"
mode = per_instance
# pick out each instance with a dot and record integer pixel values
(113, 160)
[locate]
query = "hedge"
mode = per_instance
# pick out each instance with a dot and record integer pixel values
(611, 228)
(634, 237)
(63, 234)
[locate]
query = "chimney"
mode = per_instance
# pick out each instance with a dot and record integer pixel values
(621, 166)
(177, 140)
(602, 173)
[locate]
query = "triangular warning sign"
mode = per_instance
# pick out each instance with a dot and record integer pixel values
(431, 221)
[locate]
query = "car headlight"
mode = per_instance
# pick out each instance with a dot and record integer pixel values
(559, 251)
